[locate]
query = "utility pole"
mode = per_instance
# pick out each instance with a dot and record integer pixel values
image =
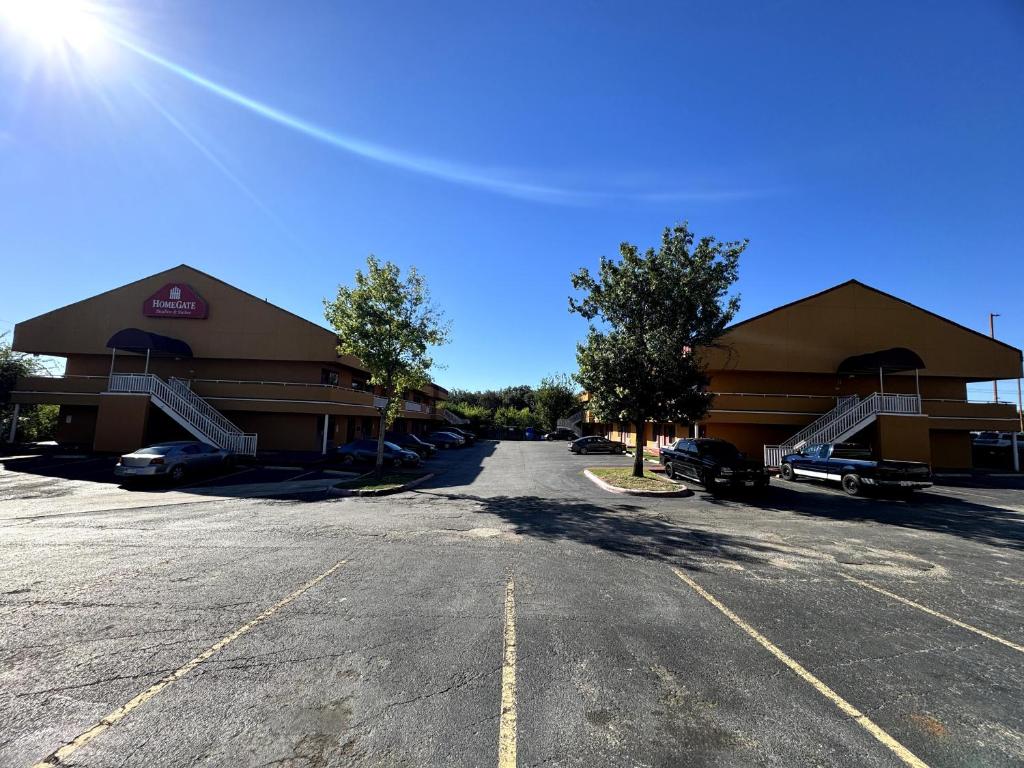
(992, 332)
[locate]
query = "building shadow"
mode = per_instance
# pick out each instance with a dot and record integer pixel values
(625, 529)
(922, 511)
(53, 474)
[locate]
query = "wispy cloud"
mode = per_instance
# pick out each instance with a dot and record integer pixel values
(444, 170)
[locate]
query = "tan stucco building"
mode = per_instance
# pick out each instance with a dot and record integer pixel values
(806, 372)
(181, 353)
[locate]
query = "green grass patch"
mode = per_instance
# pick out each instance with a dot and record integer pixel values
(386, 482)
(622, 477)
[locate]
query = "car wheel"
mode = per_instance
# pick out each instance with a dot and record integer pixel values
(177, 473)
(851, 484)
(348, 459)
(670, 471)
(787, 472)
(582, 451)
(397, 463)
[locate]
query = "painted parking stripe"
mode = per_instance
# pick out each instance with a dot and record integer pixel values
(865, 722)
(936, 614)
(58, 757)
(507, 724)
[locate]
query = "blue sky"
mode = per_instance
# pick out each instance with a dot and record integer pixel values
(501, 147)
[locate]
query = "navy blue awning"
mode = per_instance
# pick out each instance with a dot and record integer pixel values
(140, 342)
(887, 360)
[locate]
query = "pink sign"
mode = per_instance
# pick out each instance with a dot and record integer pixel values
(175, 300)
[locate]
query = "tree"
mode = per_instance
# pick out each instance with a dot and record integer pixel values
(37, 422)
(390, 324)
(655, 309)
(554, 398)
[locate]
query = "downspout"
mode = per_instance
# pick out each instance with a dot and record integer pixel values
(147, 360)
(113, 356)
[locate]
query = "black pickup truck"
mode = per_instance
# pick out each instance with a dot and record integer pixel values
(715, 464)
(853, 467)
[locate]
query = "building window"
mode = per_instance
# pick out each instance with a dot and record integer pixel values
(360, 384)
(329, 377)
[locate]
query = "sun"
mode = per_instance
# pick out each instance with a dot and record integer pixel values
(56, 26)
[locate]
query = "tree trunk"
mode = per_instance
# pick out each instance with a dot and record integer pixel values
(638, 456)
(379, 468)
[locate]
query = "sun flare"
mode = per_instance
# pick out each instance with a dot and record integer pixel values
(56, 26)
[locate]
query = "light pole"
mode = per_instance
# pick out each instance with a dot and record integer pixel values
(992, 332)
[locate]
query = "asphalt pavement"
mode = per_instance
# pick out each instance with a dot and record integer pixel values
(508, 612)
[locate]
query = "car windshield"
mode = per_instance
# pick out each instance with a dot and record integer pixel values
(391, 446)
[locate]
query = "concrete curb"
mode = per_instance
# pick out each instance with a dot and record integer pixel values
(681, 491)
(344, 492)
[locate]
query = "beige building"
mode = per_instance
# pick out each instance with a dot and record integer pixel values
(849, 363)
(181, 354)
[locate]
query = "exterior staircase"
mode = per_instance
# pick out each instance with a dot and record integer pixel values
(572, 422)
(850, 415)
(193, 413)
(453, 419)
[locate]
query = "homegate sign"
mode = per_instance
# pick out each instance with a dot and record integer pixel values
(175, 300)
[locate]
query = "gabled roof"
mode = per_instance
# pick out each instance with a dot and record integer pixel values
(880, 292)
(816, 333)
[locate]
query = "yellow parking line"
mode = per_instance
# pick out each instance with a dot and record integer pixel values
(846, 707)
(57, 758)
(507, 724)
(936, 614)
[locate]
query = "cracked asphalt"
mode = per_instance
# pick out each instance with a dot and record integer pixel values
(395, 658)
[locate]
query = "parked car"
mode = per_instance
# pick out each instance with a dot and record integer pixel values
(561, 434)
(596, 444)
(469, 437)
(716, 464)
(446, 439)
(411, 443)
(853, 467)
(366, 451)
(173, 461)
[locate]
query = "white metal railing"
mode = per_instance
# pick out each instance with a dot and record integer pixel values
(222, 421)
(306, 384)
(773, 455)
(572, 421)
(843, 404)
(189, 408)
(765, 395)
(453, 418)
(846, 417)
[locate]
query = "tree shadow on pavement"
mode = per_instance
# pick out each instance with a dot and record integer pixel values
(923, 511)
(626, 530)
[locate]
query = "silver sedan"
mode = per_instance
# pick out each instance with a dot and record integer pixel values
(173, 461)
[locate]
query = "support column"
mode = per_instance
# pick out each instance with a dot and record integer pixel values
(113, 357)
(14, 423)
(1016, 456)
(323, 446)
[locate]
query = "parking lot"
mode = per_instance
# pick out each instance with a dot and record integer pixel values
(507, 612)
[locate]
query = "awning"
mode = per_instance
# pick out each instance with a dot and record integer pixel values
(140, 342)
(887, 360)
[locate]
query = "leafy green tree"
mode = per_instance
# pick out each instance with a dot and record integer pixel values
(38, 422)
(557, 396)
(653, 310)
(390, 324)
(509, 416)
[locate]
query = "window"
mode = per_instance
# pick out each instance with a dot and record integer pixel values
(670, 432)
(359, 384)
(329, 377)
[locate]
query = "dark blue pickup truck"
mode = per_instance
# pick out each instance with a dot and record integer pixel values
(853, 467)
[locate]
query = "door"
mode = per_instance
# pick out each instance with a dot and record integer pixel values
(691, 460)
